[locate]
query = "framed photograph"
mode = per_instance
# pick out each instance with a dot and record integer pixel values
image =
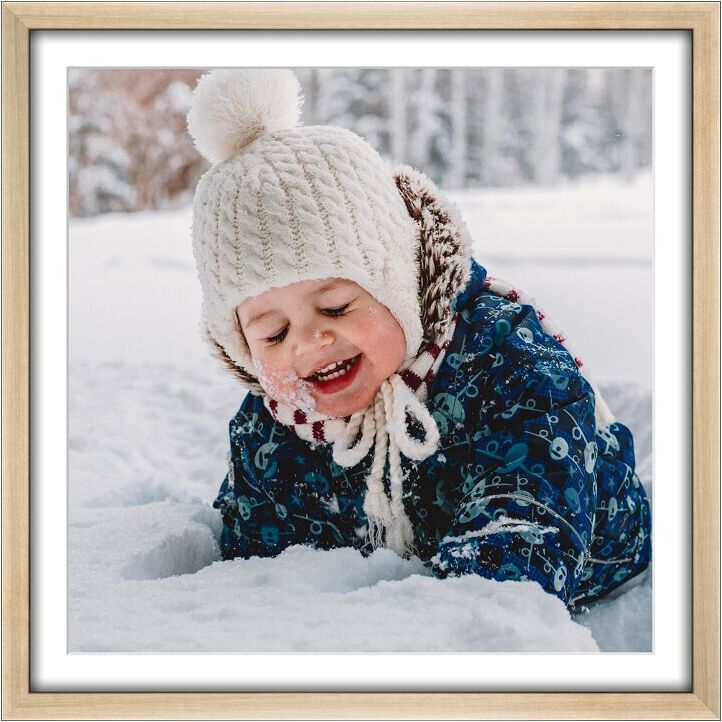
(578, 166)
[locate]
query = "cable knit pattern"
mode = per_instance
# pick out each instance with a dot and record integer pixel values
(230, 263)
(362, 227)
(296, 205)
(330, 202)
(250, 233)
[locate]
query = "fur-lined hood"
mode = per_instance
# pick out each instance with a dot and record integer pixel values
(444, 260)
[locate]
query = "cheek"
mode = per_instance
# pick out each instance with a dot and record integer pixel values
(280, 382)
(382, 339)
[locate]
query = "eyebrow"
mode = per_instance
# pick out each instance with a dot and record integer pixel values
(256, 318)
(331, 285)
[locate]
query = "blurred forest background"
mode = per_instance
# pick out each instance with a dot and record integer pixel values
(465, 127)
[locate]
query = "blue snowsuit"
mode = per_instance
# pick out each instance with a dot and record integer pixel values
(522, 486)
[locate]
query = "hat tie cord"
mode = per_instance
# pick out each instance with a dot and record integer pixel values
(383, 425)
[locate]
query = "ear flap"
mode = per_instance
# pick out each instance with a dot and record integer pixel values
(247, 379)
(444, 253)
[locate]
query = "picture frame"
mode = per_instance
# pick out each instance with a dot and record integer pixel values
(701, 20)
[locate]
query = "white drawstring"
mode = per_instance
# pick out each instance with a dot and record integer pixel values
(383, 425)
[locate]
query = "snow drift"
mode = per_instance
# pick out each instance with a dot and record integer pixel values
(148, 414)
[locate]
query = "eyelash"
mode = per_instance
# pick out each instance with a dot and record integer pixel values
(332, 312)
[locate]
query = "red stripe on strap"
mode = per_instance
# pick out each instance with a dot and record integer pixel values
(434, 350)
(411, 379)
(317, 429)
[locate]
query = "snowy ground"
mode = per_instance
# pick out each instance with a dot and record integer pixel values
(147, 441)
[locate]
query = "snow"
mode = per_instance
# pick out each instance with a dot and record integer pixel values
(504, 525)
(148, 414)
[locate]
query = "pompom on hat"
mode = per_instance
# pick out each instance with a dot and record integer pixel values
(283, 204)
(231, 108)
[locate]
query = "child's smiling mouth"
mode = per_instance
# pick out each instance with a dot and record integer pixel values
(336, 376)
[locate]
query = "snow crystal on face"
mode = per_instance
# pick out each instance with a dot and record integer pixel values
(285, 386)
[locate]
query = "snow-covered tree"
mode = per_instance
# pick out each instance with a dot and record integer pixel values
(129, 148)
(99, 164)
(456, 171)
(630, 103)
(546, 95)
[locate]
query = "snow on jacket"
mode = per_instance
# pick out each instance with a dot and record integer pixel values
(522, 486)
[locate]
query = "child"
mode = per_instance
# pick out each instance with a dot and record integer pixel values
(400, 397)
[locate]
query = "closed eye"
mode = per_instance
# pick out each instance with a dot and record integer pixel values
(336, 311)
(333, 312)
(273, 340)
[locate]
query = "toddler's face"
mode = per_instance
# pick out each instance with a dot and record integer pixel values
(326, 345)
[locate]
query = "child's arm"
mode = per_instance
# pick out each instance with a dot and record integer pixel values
(531, 487)
(238, 497)
(268, 500)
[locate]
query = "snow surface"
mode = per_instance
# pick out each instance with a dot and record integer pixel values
(148, 415)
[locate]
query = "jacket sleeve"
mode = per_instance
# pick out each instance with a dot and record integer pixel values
(274, 494)
(244, 503)
(527, 510)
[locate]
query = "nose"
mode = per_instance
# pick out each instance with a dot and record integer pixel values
(312, 339)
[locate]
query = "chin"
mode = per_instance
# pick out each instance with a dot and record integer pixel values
(339, 410)
(344, 407)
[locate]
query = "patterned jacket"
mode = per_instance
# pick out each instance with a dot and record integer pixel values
(523, 485)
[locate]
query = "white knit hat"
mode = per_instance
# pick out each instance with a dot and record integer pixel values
(284, 204)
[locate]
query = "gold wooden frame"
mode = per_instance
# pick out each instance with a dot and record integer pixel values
(701, 19)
